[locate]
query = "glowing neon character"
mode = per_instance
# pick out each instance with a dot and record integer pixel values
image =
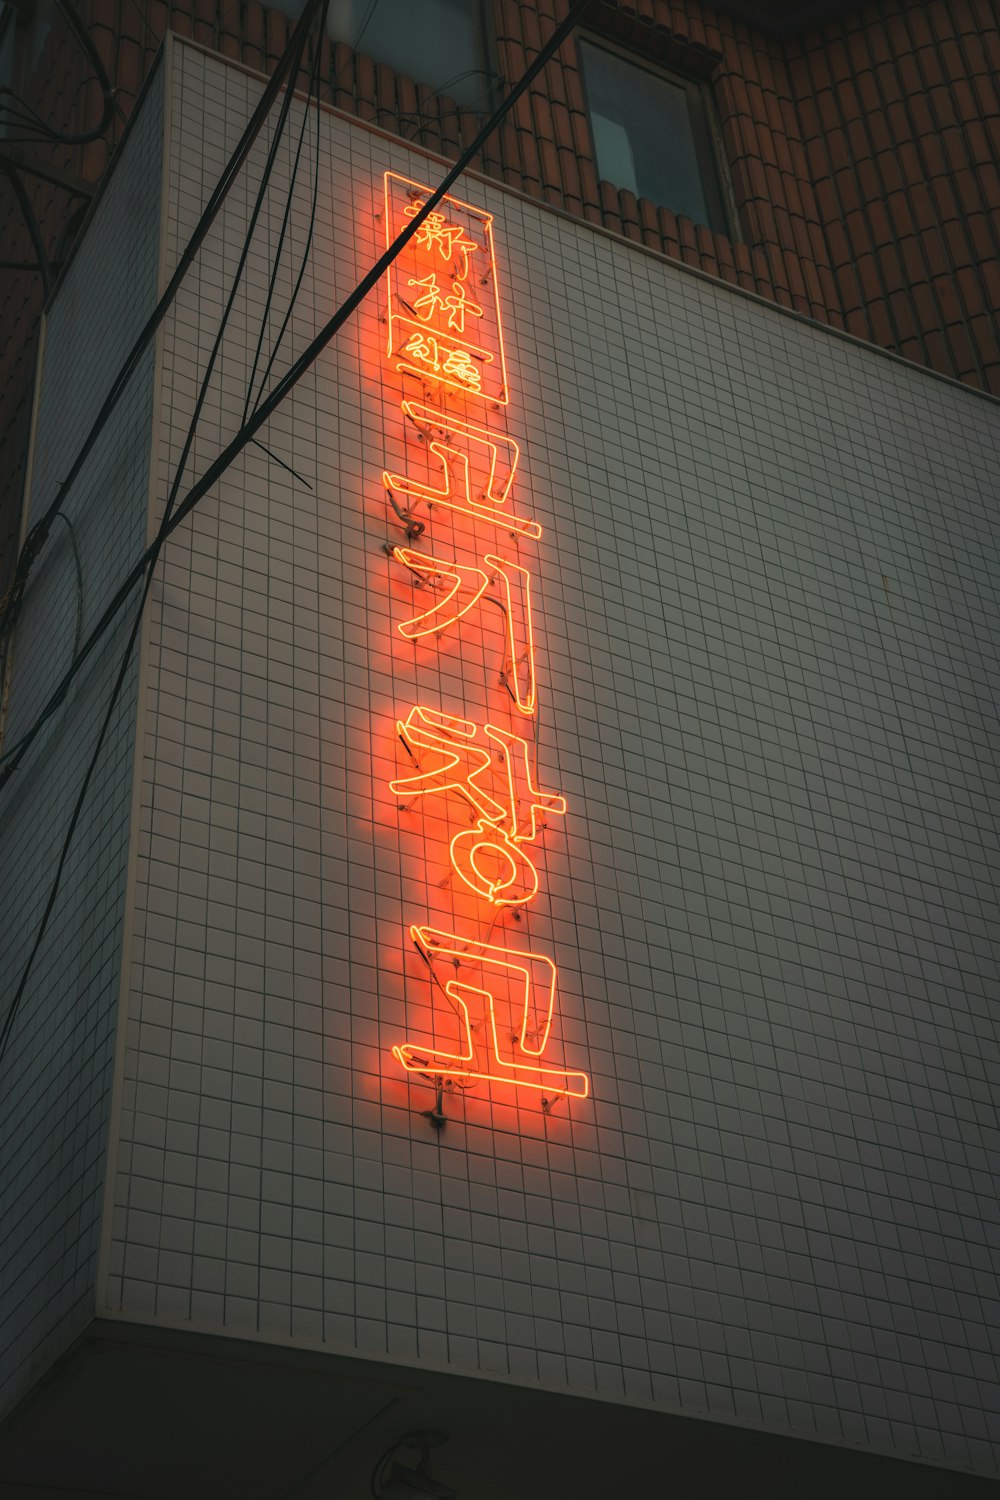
(456, 304)
(456, 365)
(477, 372)
(492, 770)
(492, 865)
(423, 347)
(468, 584)
(451, 757)
(479, 468)
(460, 365)
(517, 990)
(449, 240)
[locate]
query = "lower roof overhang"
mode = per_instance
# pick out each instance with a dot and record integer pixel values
(147, 1413)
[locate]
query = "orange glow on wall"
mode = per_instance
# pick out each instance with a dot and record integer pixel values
(451, 262)
(444, 329)
(511, 1051)
(479, 469)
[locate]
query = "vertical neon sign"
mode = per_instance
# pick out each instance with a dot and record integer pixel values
(473, 781)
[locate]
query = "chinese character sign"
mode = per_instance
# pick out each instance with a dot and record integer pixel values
(444, 309)
(468, 585)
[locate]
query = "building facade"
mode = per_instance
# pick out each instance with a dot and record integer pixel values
(857, 145)
(718, 1207)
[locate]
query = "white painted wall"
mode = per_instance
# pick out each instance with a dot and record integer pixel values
(769, 671)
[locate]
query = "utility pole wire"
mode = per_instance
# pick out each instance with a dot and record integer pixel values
(10, 603)
(249, 430)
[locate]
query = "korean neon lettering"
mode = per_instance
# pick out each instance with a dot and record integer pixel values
(440, 744)
(442, 295)
(488, 974)
(478, 470)
(468, 585)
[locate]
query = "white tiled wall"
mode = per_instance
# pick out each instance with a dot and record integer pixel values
(55, 1080)
(768, 647)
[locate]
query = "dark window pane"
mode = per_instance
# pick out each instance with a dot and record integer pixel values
(432, 41)
(643, 135)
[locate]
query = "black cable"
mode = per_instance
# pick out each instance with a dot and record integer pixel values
(431, 122)
(64, 137)
(265, 317)
(78, 567)
(10, 171)
(25, 265)
(355, 44)
(246, 434)
(12, 757)
(11, 602)
(157, 544)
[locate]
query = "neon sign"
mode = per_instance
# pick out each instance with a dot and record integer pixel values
(473, 782)
(427, 332)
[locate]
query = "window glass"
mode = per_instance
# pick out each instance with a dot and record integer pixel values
(432, 41)
(650, 135)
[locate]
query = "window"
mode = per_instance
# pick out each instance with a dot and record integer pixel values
(439, 42)
(654, 134)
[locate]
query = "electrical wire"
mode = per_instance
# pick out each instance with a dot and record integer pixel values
(119, 683)
(78, 568)
(31, 119)
(354, 46)
(12, 757)
(249, 430)
(247, 434)
(10, 603)
(265, 317)
(42, 265)
(431, 122)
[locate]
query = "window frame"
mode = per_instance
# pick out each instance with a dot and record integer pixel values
(706, 131)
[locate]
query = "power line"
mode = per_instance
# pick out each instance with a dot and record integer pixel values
(12, 757)
(10, 604)
(27, 118)
(249, 430)
(296, 63)
(266, 315)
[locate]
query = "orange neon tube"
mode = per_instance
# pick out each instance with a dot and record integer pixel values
(467, 582)
(526, 802)
(521, 679)
(458, 443)
(534, 974)
(468, 851)
(444, 363)
(426, 730)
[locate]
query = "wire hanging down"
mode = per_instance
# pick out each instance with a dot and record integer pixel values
(154, 551)
(176, 514)
(11, 602)
(21, 114)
